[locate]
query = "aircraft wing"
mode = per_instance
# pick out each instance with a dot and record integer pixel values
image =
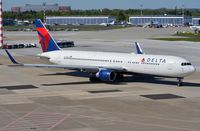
(74, 67)
(71, 67)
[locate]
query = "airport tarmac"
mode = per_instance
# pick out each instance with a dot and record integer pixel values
(59, 100)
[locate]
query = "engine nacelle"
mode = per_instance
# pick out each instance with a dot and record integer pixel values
(106, 75)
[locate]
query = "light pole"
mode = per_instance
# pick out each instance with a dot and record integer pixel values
(44, 7)
(141, 11)
(183, 14)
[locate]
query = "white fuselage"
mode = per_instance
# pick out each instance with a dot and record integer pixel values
(169, 66)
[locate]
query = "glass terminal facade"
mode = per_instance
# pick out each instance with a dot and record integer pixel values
(78, 20)
(162, 20)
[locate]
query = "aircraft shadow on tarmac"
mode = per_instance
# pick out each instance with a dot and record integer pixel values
(83, 46)
(73, 73)
(124, 81)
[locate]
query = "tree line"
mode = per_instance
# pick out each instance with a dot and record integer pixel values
(121, 15)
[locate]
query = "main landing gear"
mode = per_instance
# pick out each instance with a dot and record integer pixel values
(93, 78)
(180, 82)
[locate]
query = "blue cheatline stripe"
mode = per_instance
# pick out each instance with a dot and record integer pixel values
(11, 57)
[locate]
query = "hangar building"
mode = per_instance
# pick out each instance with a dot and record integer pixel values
(196, 21)
(162, 20)
(80, 20)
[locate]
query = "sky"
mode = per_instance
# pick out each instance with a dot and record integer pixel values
(99, 4)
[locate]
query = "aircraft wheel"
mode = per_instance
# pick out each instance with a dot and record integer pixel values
(180, 83)
(94, 79)
(119, 76)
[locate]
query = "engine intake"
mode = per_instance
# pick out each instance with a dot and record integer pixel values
(106, 75)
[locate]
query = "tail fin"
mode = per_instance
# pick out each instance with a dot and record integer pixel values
(138, 48)
(46, 40)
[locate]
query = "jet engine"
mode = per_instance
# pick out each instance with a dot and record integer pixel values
(106, 75)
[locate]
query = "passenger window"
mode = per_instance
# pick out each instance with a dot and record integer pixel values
(185, 64)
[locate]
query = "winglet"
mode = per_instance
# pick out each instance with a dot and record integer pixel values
(11, 57)
(138, 48)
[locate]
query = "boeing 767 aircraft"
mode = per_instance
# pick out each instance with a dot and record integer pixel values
(107, 66)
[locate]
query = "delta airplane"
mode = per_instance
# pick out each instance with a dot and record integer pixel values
(107, 66)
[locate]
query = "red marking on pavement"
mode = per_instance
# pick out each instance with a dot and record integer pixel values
(20, 118)
(58, 123)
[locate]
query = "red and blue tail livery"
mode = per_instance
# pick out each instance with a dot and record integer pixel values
(46, 40)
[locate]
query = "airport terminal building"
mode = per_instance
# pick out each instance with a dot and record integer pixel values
(82, 20)
(163, 20)
(196, 21)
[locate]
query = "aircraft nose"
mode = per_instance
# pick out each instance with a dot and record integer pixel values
(193, 69)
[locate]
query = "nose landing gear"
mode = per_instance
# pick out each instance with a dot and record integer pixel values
(180, 82)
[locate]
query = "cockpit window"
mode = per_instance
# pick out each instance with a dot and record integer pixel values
(185, 64)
